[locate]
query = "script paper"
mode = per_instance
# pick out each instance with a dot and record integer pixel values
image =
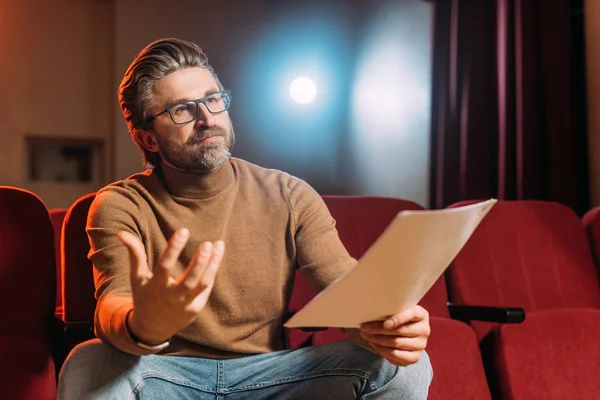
(397, 270)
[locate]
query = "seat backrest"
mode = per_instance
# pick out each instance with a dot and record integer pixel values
(530, 254)
(27, 265)
(360, 220)
(591, 222)
(57, 215)
(27, 296)
(79, 302)
(453, 348)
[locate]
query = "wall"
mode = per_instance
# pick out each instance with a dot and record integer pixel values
(55, 69)
(67, 58)
(258, 46)
(220, 28)
(390, 109)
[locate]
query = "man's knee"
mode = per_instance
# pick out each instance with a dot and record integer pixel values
(421, 373)
(411, 382)
(90, 348)
(95, 354)
(92, 365)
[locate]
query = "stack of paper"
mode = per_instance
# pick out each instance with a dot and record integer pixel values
(397, 270)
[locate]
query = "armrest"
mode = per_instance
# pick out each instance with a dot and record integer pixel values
(79, 327)
(505, 315)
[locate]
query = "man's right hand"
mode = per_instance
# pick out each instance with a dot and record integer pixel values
(162, 306)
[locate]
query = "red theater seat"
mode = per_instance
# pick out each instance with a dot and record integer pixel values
(27, 295)
(533, 254)
(591, 221)
(79, 302)
(452, 347)
(57, 215)
(359, 221)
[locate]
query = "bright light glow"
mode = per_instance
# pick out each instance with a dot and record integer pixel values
(303, 90)
(390, 104)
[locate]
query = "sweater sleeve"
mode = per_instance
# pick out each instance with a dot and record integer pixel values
(113, 210)
(320, 254)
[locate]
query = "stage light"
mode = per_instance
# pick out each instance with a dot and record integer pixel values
(303, 90)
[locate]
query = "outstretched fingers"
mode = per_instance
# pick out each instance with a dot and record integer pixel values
(201, 272)
(210, 272)
(170, 255)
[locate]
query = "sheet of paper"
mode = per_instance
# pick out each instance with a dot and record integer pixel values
(397, 270)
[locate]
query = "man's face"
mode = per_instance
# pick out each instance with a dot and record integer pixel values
(200, 145)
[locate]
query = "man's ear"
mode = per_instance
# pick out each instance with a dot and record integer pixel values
(148, 141)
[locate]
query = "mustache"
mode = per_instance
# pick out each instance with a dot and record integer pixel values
(199, 136)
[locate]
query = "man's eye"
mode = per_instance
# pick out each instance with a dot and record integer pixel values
(211, 100)
(182, 108)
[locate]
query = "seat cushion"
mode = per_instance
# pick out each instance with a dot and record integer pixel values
(456, 360)
(529, 254)
(552, 355)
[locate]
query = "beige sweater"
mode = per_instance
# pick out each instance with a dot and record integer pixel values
(272, 224)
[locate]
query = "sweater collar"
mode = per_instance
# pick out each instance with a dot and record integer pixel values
(197, 185)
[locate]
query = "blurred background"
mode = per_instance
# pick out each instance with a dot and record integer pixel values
(431, 101)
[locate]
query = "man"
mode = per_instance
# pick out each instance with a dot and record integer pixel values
(181, 317)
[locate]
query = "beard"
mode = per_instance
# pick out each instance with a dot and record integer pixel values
(195, 156)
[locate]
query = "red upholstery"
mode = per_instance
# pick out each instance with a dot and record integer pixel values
(27, 371)
(529, 254)
(456, 360)
(27, 295)
(27, 273)
(553, 355)
(591, 221)
(78, 279)
(362, 219)
(534, 255)
(453, 348)
(57, 215)
(359, 221)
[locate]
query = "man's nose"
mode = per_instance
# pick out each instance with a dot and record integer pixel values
(205, 117)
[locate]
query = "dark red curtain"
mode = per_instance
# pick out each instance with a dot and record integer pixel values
(508, 112)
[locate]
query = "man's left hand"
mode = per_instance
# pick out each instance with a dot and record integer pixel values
(401, 338)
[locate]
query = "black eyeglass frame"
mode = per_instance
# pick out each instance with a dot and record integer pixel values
(225, 93)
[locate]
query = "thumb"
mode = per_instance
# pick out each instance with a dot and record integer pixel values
(139, 270)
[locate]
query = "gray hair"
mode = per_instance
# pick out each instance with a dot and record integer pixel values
(154, 62)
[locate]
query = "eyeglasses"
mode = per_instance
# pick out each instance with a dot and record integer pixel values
(187, 111)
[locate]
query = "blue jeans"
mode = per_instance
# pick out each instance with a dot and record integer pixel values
(340, 370)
